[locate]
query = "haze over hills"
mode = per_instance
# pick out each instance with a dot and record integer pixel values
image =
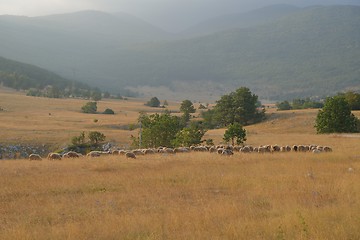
(22, 76)
(285, 52)
(241, 20)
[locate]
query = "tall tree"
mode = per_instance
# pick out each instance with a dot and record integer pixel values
(186, 108)
(336, 117)
(159, 130)
(191, 135)
(240, 106)
(153, 102)
(236, 133)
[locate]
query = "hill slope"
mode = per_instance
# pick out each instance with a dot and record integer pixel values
(22, 76)
(71, 44)
(313, 51)
(241, 20)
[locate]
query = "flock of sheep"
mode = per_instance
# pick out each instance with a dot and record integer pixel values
(226, 150)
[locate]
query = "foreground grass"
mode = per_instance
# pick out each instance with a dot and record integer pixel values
(187, 196)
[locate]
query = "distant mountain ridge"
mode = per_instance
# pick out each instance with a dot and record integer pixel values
(242, 20)
(313, 51)
(22, 76)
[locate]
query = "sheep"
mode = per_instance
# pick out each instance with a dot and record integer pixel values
(182, 150)
(34, 156)
(138, 152)
(71, 154)
(115, 152)
(227, 152)
(148, 151)
(94, 154)
(327, 149)
(213, 149)
(294, 148)
(316, 151)
(122, 152)
(245, 149)
(54, 156)
(130, 155)
(275, 148)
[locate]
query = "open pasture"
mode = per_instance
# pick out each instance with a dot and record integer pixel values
(54, 121)
(183, 196)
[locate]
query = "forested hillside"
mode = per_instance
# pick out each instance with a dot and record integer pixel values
(38, 81)
(313, 51)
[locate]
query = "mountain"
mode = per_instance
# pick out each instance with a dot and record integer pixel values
(22, 76)
(313, 51)
(241, 20)
(72, 44)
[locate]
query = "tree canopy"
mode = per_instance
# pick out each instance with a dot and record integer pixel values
(336, 117)
(89, 107)
(240, 106)
(159, 129)
(153, 102)
(235, 133)
(186, 108)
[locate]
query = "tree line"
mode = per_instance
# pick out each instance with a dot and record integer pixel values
(233, 111)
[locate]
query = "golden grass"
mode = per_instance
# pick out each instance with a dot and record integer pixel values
(185, 196)
(54, 121)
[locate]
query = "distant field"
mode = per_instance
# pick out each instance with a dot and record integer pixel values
(54, 121)
(185, 196)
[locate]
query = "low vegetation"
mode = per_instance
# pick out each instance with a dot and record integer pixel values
(182, 196)
(336, 117)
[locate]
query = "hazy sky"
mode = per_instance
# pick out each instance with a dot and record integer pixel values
(169, 14)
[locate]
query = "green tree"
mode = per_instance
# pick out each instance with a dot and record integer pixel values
(77, 140)
(240, 106)
(353, 99)
(108, 111)
(166, 103)
(154, 102)
(186, 108)
(209, 118)
(89, 107)
(96, 137)
(336, 117)
(159, 130)
(191, 135)
(236, 133)
(285, 105)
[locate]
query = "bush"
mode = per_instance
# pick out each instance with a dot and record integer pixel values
(89, 107)
(336, 117)
(154, 102)
(285, 105)
(108, 111)
(235, 133)
(96, 137)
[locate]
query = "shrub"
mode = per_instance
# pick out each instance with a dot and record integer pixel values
(336, 117)
(235, 132)
(89, 107)
(108, 111)
(96, 137)
(154, 102)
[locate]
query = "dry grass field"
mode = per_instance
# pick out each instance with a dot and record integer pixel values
(182, 196)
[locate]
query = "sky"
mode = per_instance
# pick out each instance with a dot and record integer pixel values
(171, 15)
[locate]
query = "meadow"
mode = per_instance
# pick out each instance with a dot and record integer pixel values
(183, 196)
